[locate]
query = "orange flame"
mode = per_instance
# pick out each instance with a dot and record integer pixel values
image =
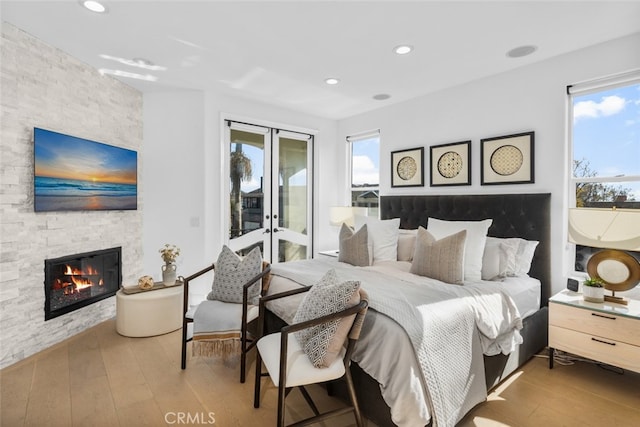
(79, 281)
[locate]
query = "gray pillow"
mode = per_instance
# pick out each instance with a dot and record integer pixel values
(232, 273)
(440, 259)
(322, 343)
(354, 248)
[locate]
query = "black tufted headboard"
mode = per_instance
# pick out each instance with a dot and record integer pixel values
(514, 215)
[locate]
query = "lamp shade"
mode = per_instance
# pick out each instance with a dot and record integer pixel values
(345, 214)
(605, 228)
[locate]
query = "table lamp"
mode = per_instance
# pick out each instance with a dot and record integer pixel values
(345, 214)
(614, 230)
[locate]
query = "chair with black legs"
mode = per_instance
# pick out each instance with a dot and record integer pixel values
(227, 320)
(289, 362)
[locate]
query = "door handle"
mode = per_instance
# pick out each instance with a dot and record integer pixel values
(275, 230)
(267, 231)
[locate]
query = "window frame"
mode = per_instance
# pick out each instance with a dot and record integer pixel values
(350, 188)
(590, 87)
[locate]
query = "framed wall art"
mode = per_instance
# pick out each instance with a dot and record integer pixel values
(507, 159)
(450, 164)
(76, 174)
(407, 168)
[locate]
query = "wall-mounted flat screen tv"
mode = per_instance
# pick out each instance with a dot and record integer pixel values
(75, 174)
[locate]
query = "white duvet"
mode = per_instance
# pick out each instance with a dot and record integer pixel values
(434, 370)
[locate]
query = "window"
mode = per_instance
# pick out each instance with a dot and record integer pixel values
(365, 170)
(605, 134)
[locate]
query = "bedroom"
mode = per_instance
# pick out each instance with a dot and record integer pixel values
(180, 123)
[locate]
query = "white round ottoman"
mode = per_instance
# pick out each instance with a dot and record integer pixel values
(149, 313)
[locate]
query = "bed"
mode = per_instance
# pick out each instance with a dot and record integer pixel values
(524, 216)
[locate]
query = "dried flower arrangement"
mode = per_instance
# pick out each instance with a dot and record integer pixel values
(169, 253)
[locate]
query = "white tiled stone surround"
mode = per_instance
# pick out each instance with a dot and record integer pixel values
(44, 87)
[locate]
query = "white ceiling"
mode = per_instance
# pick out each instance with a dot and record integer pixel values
(281, 52)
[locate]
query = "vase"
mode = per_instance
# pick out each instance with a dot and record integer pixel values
(169, 274)
(592, 294)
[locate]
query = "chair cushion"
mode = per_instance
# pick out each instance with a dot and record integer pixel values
(232, 273)
(300, 370)
(219, 316)
(322, 343)
(353, 246)
(439, 259)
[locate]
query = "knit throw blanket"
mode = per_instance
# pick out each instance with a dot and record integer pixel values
(216, 329)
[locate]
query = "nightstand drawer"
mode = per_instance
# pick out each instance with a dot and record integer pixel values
(618, 328)
(594, 347)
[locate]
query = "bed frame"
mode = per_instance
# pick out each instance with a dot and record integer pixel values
(514, 215)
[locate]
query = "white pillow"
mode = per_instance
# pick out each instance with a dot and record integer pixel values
(383, 236)
(499, 258)
(524, 251)
(524, 256)
(406, 244)
(474, 246)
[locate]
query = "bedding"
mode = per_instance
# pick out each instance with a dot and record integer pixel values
(457, 336)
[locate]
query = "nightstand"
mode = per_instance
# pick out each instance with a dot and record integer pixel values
(332, 253)
(606, 332)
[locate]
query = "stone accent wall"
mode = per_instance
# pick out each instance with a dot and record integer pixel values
(42, 86)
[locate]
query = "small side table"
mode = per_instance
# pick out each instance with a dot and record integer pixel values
(332, 253)
(146, 314)
(606, 332)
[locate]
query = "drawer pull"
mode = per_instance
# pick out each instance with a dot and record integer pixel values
(603, 342)
(604, 317)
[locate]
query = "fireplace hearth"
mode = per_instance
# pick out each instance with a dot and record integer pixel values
(75, 281)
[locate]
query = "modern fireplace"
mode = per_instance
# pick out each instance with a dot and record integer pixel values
(75, 281)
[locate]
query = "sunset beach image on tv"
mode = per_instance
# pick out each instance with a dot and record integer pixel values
(74, 174)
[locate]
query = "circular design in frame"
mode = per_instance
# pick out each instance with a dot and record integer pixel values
(506, 160)
(407, 168)
(618, 269)
(450, 164)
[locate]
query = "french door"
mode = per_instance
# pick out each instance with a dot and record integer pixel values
(270, 191)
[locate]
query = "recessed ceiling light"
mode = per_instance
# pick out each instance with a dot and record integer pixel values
(403, 49)
(121, 73)
(381, 96)
(94, 6)
(135, 62)
(332, 81)
(521, 51)
(142, 62)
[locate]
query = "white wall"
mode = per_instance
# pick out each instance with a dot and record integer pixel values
(528, 98)
(183, 154)
(45, 87)
(173, 176)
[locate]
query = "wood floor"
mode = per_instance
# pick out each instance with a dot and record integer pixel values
(99, 378)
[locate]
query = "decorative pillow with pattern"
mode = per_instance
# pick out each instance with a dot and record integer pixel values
(354, 248)
(440, 259)
(322, 343)
(474, 246)
(232, 273)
